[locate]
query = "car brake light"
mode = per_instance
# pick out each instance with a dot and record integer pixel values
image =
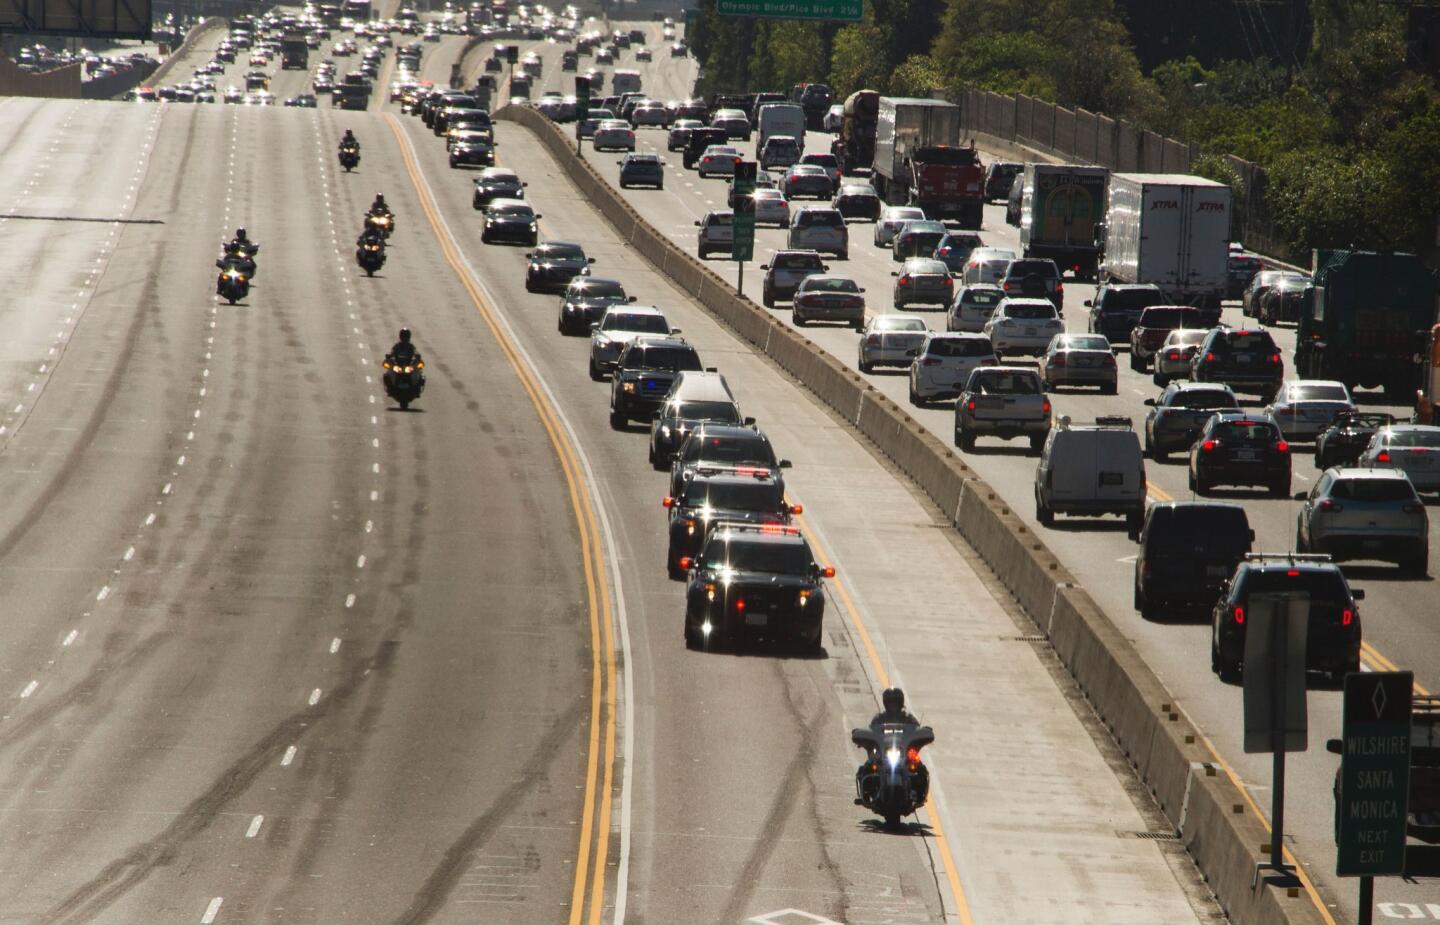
(970, 405)
(1109, 360)
(1282, 447)
(740, 604)
(1414, 507)
(1209, 358)
(1238, 615)
(1274, 358)
(1209, 445)
(667, 502)
(1058, 360)
(912, 755)
(1330, 507)
(929, 361)
(904, 280)
(1005, 286)
(1046, 406)
(1347, 616)
(1292, 573)
(1059, 287)
(1173, 355)
(1382, 456)
(942, 252)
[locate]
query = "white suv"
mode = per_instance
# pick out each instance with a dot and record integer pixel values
(717, 232)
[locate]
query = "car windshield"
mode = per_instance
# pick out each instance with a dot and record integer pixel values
(959, 347)
(1203, 398)
(1086, 342)
(1365, 421)
(1415, 438)
(1373, 490)
(857, 191)
(1245, 432)
(1317, 392)
(986, 298)
(778, 144)
(721, 412)
(597, 289)
(1030, 312)
(1324, 585)
(1163, 318)
(826, 218)
(1202, 526)
(753, 556)
(822, 160)
(796, 262)
(643, 324)
(997, 383)
(648, 160)
(767, 194)
(1045, 268)
(674, 359)
(829, 284)
(1244, 342)
(904, 215)
(516, 210)
(1186, 338)
(926, 268)
(884, 323)
(560, 252)
(1131, 299)
(733, 496)
(751, 449)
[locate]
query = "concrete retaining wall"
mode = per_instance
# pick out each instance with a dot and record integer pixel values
(1207, 809)
(60, 83)
(109, 88)
(204, 28)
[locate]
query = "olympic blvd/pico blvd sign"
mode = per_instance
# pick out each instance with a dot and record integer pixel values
(837, 10)
(1374, 774)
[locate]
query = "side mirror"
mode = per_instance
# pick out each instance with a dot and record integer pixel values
(630, 299)
(862, 288)
(894, 272)
(748, 422)
(594, 326)
(1358, 593)
(1335, 746)
(1301, 495)
(712, 369)
(538, 216)
(797, 508)
(1089, 302)
(763, 266)
(697, 224)
(674, 330)
(220, 264)
(1252, 536)
(828, 571)
(1149, 402)
(591, 259)
(785, 464)
(529, 255)
(621, 163)
(527, 184)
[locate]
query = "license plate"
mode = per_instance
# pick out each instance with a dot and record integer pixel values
(1112, 478)
(1216, 571)
(1419, 462)
(756, 619)
(1243, 359)
(1084, 361)
(1030, 332)
(1372, 544)
(990, 404)
(1245, 455)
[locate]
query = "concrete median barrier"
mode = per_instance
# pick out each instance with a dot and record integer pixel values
(1206, 808)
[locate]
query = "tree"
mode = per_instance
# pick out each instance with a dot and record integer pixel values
(854, 64)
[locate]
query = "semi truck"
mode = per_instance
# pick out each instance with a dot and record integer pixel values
(1172, 230)
(1364, 319)
(780, 119)
(294, 53)
(919, 160)
(1061, 206)
(855, 148)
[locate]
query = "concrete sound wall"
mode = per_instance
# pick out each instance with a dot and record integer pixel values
(60, 83)
(1206, 808)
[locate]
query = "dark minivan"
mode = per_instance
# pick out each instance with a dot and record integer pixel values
(1188, 551)
(1247, 361)
(700, 139)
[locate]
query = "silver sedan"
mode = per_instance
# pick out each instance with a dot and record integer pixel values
(890, 340)
(891, 218)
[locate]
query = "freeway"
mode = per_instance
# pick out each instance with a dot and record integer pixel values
(279, 651)
(1397, 612)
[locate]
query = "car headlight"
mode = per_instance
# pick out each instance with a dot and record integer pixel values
(665, 430)
(627, 386)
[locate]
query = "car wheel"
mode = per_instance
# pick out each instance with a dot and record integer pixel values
(692, 637)
(1280, 489)
(767, 299)
(800, 320)
(1044, 515)
(1229, 672)
(1158, 454)
(1110, 388)
(1418, 564)
(1037, 444)
(1136, 363)
(965, 441)
(595, 372)
(859, 326)
(915, 398)
(618, 420)
(865, 367)
(842, 255)
(1160, 380)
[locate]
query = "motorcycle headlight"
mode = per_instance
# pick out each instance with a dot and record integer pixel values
(892, 757)
(665, 430)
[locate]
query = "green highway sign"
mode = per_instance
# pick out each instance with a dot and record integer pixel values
(742, 245)
(1374, 774)
(838, 10)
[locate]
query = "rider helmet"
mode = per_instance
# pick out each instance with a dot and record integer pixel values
(404, 335)
(894, 699)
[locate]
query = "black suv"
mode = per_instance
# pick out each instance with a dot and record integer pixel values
(1333, 640)
(723, 446)
(1236, 448)
(721, 496)
(1117, 306)
(754, 581)
(1188, 550)
(643, 374)
(999, 175)
(1342, 442)
(1247, 361)
(700, 139)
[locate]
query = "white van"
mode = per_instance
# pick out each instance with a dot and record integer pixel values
(780, 119)
(624, 81)
(1091, 469)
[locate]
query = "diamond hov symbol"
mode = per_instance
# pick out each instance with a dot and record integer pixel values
(791, 917)
(1378, 699)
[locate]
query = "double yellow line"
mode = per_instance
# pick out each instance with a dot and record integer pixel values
(600, 756)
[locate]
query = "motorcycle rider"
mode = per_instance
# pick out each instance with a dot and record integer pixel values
(894, 712)
(403, 347)
(350, 141)
(242, 243)
(378, 207)
(370, 236)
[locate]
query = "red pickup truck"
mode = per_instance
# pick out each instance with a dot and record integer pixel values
(1156, 323)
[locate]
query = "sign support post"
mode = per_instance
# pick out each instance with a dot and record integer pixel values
(742, 240)
(582, 105)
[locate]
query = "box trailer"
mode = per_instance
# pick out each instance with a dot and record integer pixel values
(1172, 230)
(1062, 206)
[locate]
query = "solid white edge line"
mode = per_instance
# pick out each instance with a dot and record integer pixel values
(621, 617)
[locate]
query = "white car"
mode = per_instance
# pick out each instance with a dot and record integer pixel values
(614, 135)
(834, 116)
(986, 265)
(973, 306)
(891, 339)
(718, 160)
(943, 364)
(771, 208)
(1305, 408)
(652, 114)
(617, 328)
(1023, 326)
(717, 233)
(1413, 448)
(891, 218)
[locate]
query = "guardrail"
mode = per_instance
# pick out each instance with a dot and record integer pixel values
(1205, 806)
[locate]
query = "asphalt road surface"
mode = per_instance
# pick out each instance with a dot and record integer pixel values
(278, 651)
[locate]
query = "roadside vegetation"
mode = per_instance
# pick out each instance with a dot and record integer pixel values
(1330, 101)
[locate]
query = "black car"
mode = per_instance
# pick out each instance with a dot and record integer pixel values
(755, 581)
(554, 264)
(1236, 448)
(1117, 307)
(1282, 301)
(954, 250)
(1342, 442)
(641, 170)
(1333, 640)
(999, 175)
(699, 140)
(723, 446)
(1188, 550)
(858, 200)
(1247, 361)
(303, 101)
(715, 497)
(643, 375)
(585, 301)
(472, 149)
(676, 419)
(1239, 270)
(497, 183)
(1179, 414)
(510, 220)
